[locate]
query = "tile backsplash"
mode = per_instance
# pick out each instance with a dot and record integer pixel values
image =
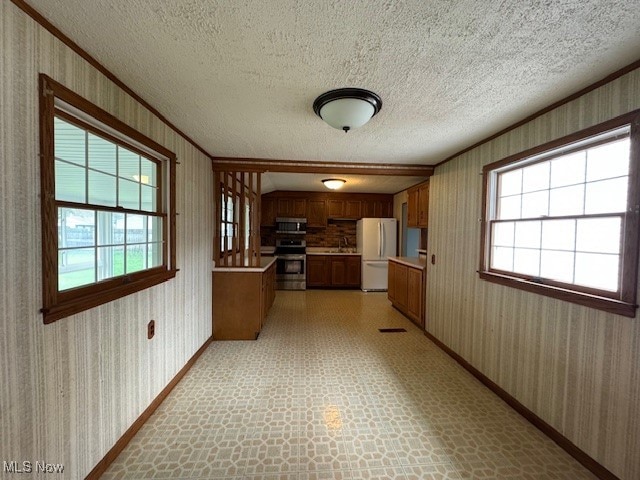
(318, 236)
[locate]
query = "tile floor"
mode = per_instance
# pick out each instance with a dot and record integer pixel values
(323, 395)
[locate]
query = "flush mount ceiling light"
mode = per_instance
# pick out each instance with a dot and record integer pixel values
(347, 108)
(333, 183)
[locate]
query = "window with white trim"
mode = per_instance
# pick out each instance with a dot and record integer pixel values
(562, 219)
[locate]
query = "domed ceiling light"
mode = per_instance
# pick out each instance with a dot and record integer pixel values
(347, 108)
(333, 183)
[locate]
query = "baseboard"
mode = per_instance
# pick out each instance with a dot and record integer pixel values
(566, 444)
(122, 442)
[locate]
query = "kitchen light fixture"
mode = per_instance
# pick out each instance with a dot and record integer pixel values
(333, 183)
(347, 108)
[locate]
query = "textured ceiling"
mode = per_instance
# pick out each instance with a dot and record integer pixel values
(240, 76)
(307, 182)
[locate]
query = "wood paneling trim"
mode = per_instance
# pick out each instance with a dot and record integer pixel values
(609, 78)
(35, 15)
(124, 440)
(588, 462)
(312, 166)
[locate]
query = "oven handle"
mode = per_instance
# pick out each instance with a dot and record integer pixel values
(290, 257)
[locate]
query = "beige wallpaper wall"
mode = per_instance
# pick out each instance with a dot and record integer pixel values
(70, 389)
(577, 368)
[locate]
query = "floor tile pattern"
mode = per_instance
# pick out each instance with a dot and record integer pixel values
(322, 394)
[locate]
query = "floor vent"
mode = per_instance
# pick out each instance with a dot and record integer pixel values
(391, 330)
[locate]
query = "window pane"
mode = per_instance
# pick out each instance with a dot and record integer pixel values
(154, 255)
(597, 271)
(69, 142)
(503, 234)
(128, 194)
(567, 201)
(110, 228)
(154, 229)
(599, 235)
(607, 196)
(568, 169)
(535, 204)
(76, 228)
(76, 268)
(136, 228)
(526, 261)
(110, 262)
(128, 164)
(509, 207)
(536, 177)
(71, 183)
(558, 234)
(528, 234)
(148, 172)
(136, 258)
(149, 199)
(608, 161)
(510, 183)
(557, 265)
(102, 154)
(502, 258)
(102, 189)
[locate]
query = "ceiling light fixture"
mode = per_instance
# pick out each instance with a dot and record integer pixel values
(333, 183)
(347, 108)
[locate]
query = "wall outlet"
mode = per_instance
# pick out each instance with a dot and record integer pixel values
(433, 259)
(151, 329)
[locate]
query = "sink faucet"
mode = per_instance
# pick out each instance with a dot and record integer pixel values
(346, 243)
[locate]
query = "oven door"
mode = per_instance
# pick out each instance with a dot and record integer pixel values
(290, 272)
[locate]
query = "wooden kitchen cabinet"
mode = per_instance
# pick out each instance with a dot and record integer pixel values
(316, 213)
(317, 271)
(291, 207)
(333, 271)
(418, 206)
(375, 208)
(353, 209)
(241, 301)
(406, 290)
(335, 208)
(268, 212)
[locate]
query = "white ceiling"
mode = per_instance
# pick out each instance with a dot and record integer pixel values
(240, 76)
(303, 182)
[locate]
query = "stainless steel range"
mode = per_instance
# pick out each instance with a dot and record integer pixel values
(291, 273)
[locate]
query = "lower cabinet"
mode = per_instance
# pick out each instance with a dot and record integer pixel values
(333, 271)
(406, 290)
(241, 302)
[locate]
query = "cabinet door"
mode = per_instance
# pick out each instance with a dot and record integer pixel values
(401, 286)
(423, 205)
(353, 265)
(386, 209)
(317, 271)
(391, 284)
(268, 212)
(298, 207)
(283, 208)
(352, 209)
(414, 295)
(412, 208)
(338, 271)
(335, 208)
(316, 213)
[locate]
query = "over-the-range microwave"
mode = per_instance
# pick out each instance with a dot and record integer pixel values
(291, 225)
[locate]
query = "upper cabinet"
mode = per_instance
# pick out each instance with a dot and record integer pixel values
(316, 213)
(319, 207)
(418, 206)
(291, 207)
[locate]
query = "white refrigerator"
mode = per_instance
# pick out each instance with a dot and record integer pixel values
(376, 241)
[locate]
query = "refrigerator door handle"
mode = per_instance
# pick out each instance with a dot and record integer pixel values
(384, 246)
(379, 239)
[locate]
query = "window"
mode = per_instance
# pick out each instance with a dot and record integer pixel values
(230, 221)
(562, 219)
(108, 206)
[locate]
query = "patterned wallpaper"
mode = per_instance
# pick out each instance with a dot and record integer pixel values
(72, 388)
(575, 367)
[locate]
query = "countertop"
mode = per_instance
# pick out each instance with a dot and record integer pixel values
(414, 262)
(328, 251)
(265, 263)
